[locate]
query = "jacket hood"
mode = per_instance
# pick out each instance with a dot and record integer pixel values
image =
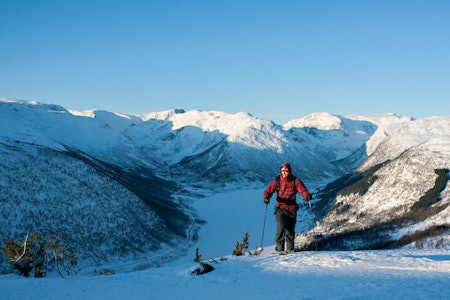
(288, 166)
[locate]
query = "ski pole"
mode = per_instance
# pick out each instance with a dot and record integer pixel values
(264, 226)
(310, 210)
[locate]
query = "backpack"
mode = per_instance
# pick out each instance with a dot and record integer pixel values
(278, 182)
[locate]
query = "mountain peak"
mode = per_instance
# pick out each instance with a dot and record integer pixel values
(319, 120)
(161, 115)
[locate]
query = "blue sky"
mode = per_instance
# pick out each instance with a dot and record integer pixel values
(274, 59)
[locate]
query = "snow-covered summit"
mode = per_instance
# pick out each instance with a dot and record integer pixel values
(321, 120)
(161, 115)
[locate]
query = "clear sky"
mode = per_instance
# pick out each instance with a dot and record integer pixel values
(274, 59)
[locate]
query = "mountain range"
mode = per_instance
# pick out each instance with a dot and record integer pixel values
(121, 187)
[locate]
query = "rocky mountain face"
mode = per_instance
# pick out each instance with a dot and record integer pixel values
(117, 185)
(399, 196)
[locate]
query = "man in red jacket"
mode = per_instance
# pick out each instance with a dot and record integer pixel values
(286, 185)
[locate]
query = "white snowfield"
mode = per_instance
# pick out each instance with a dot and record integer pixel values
(399, 274)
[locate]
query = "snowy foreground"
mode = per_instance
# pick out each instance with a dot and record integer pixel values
(306, 275)
(397, 274)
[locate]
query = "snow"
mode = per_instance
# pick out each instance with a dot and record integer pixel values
(233, 126)
(323, 121)
(398, 274)
(389, 274)
(333, 275)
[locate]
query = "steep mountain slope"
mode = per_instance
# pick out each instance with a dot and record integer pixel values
(398, 195)
(346, 141)
(101, 217)
(51, 181)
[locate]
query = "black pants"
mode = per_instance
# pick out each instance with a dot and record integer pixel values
(285, 220)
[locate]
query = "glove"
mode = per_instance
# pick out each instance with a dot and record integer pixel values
(309, 197)
(266, 201)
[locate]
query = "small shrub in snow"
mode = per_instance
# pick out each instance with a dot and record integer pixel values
(198, 256)
(34, 255)
(241, 248)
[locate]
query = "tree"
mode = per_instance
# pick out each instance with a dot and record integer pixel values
(34, 255)
(241, 248)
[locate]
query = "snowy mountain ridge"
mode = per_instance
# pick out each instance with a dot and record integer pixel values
(399, 195)
(55, 161)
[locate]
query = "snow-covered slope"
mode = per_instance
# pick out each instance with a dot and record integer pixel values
(344, 140)
(100, 214)
(195, 145)
(106, 207)
(388, 274)
(366, 275)
(167, 159)
(400, 192)
(224, 148)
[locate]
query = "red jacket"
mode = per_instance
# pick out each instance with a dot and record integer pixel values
(286, 195)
